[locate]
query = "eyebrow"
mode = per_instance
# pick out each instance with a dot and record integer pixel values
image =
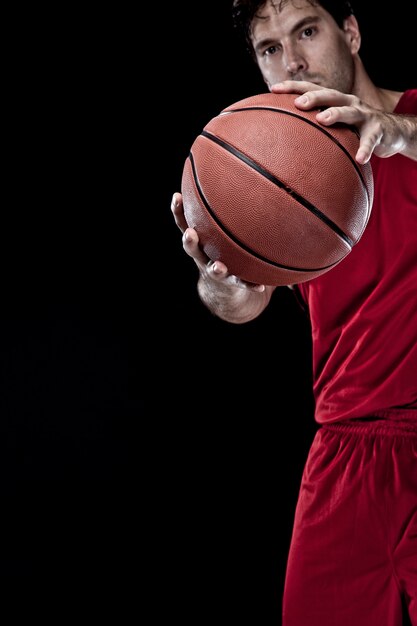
(305, 21)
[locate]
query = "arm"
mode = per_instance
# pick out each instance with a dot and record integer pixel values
(381, 132)
(225, 295)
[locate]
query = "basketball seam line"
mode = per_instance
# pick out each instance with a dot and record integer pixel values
(322, 129)
(279, 183)
(240, 243)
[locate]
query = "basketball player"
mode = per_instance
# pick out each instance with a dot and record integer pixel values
(353, 555)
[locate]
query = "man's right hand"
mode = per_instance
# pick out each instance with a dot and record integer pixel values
(225, 295)
(212, 270)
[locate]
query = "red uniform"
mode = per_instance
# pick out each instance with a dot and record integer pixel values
(353, 557)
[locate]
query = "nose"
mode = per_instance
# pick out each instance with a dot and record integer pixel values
(293, 62)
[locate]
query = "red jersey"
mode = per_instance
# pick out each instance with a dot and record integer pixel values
(363, 312)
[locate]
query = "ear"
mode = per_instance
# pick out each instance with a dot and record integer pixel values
(352, 33)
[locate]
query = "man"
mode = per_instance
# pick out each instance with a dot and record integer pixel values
(353, 555)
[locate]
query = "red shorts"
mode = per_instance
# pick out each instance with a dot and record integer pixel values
(353, 554)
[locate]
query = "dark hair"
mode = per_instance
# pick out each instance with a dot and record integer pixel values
(243, 12)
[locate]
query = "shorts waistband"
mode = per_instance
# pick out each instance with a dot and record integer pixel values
(376, 426)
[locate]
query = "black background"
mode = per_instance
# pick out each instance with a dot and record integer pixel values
(134, 423)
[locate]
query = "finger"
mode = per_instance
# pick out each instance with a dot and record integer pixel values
(190, 242)
(176, 200)
(178, 211)
(368, 143)
(317, 98)
(293, 86)
(369, 138)
(219, 271)
(363, 155)
(344, 114)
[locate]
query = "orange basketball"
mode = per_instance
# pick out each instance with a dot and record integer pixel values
(273, 194)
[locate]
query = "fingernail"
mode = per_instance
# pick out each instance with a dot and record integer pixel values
(326, 115)
(301, 100)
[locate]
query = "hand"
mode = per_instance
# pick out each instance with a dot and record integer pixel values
(379, 131)
(213, 270)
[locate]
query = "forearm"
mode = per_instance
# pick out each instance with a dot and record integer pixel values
(232, 304)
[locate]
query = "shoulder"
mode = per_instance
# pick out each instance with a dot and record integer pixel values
(407, 104)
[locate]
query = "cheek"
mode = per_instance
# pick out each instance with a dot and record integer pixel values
(270, 74)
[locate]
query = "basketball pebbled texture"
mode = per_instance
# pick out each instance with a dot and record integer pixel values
(274, 195)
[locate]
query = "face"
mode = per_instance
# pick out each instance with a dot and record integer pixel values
(303, 42)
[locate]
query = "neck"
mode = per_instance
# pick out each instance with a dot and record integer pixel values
(366, 90)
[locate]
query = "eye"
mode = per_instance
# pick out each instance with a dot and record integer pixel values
(271, 50)
(308, 32)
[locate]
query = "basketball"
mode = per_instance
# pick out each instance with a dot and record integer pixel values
(273, 194)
